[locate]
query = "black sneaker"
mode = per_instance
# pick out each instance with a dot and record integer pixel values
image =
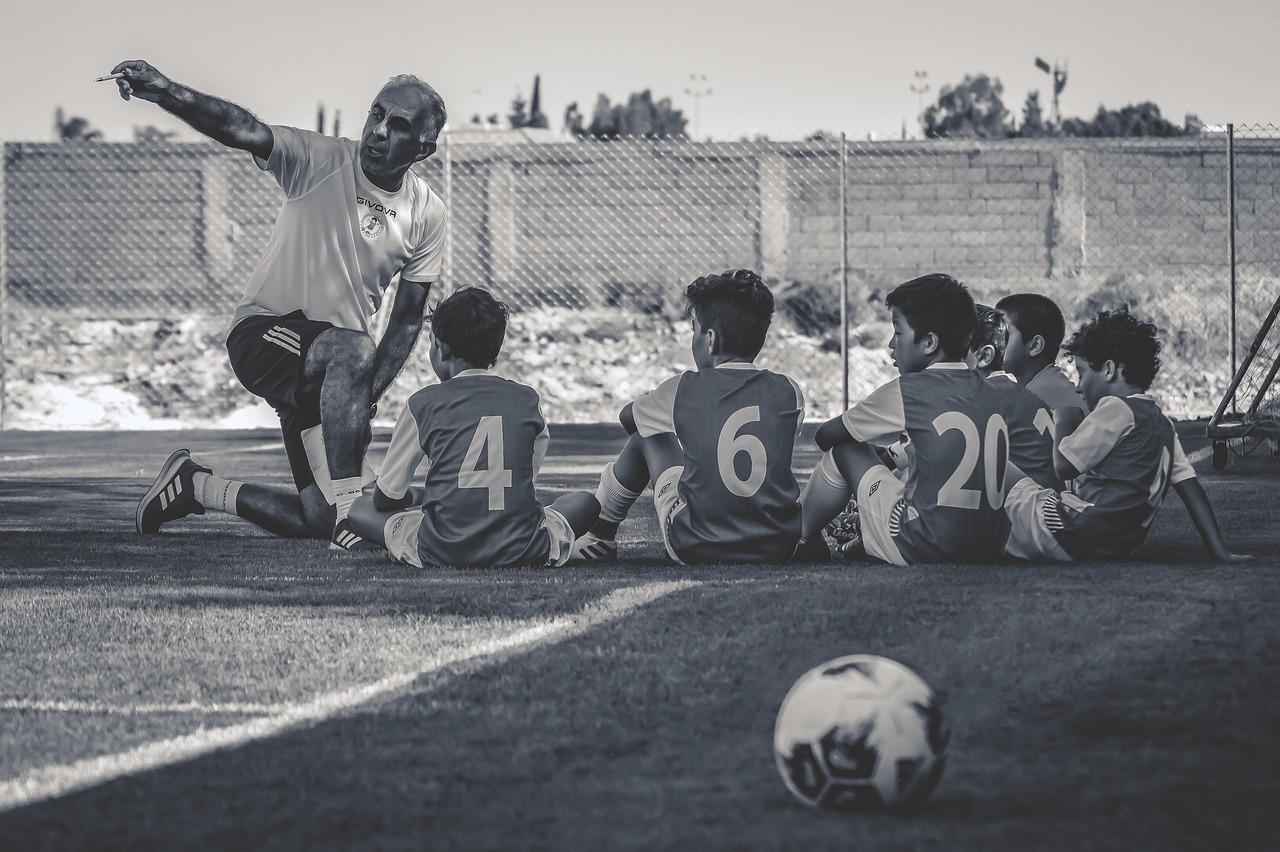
(172, 495)
(345, 538)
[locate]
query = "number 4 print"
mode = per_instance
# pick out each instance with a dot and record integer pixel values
(487, 440)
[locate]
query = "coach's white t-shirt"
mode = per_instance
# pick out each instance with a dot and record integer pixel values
(339, 240)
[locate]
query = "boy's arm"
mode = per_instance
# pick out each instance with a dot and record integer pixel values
(383, 503)
(1201, 512)
(1065, 422)
(404, 454)
(831, 433)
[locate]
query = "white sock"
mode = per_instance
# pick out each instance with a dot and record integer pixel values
(216, 493)
(615, 499)
(345, 492)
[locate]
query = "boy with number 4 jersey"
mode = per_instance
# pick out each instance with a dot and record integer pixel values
(716, 442)
(483, 439)
(948, 507)
(1121, 457)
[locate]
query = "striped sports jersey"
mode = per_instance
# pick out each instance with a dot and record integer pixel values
(957, 460)
(483, 438)
(737, 425)
(1030, 425)
(1127, 454)
(338, 240)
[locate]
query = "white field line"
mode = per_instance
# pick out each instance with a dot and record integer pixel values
(51, 782)
(91, 708)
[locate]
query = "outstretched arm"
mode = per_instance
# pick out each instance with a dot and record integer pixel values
(403, 327)
(220, 120)
(1201, 512)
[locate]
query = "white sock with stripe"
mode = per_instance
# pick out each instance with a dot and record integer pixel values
(615, 499)
(345, 492)
(216, 493)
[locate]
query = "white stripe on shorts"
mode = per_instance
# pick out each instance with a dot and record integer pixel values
(285, 339)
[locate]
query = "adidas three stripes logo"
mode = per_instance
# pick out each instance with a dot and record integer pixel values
(170, 492)
(285, 338)
(345, 538)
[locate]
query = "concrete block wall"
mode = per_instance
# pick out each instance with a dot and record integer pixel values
(135, 226)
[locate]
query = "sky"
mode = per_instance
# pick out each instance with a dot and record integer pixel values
(782, 69)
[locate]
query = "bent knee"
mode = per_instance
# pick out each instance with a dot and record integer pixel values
(342, 348)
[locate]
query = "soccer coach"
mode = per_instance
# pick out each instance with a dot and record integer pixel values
(354, 216)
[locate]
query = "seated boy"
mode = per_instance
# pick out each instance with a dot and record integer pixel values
(1121, 457)
(1036, 329)
(1028, 417)
(948, 507)
(716, 442)
(483, 438)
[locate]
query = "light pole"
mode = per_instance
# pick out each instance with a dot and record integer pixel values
(1059, 74)
(697, 89)
(920, 86)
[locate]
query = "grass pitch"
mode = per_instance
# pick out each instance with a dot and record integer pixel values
(211, 687)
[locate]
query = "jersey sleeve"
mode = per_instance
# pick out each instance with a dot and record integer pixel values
(292, 158)
(654, 412)
(799, 405)
(879, 419)
(404, 454)
(427, 261)
(1181, 470)
(1097, 434)
(540, 443)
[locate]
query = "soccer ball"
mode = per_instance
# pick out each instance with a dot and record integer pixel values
(861, 733)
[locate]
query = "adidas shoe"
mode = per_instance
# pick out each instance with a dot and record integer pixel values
(172, 495)
(346, 538)
(592, 548)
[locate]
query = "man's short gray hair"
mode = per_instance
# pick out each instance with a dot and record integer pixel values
(436, 115)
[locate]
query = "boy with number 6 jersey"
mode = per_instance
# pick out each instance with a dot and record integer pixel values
(716, 442)
(948, 507)
(1121, 457)
(483, 438)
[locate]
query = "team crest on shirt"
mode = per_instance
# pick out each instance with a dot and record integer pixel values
(372, 226)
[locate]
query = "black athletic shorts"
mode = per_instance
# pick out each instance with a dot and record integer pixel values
(267, 355)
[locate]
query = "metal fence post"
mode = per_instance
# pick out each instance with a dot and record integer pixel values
(4, 289)
(447, 271)
(1231, 242)
(844, 274)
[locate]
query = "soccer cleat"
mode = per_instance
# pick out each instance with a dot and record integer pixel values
(812, 551)
(172, 495)
(345, 538)
(592, 548)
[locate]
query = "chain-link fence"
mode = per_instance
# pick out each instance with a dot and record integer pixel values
(121, 262)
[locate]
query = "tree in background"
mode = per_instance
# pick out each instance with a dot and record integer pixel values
(1033, 124)
(1142, 119)
(151, 133)
(528, 114)
(73, 129)
(640, 117)
(972, 108)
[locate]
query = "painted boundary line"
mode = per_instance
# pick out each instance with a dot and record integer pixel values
(51, 782)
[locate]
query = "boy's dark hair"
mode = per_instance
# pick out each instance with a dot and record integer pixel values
(735, 303)
(991, 330)
(1032, 314)
(1121, 337)
(939, 304)
(473, 324)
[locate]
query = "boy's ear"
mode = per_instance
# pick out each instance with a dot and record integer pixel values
(1111, 370)
(446, 351)
(713, 341)
(1035, 345)
(931, 343)
(986, 354)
